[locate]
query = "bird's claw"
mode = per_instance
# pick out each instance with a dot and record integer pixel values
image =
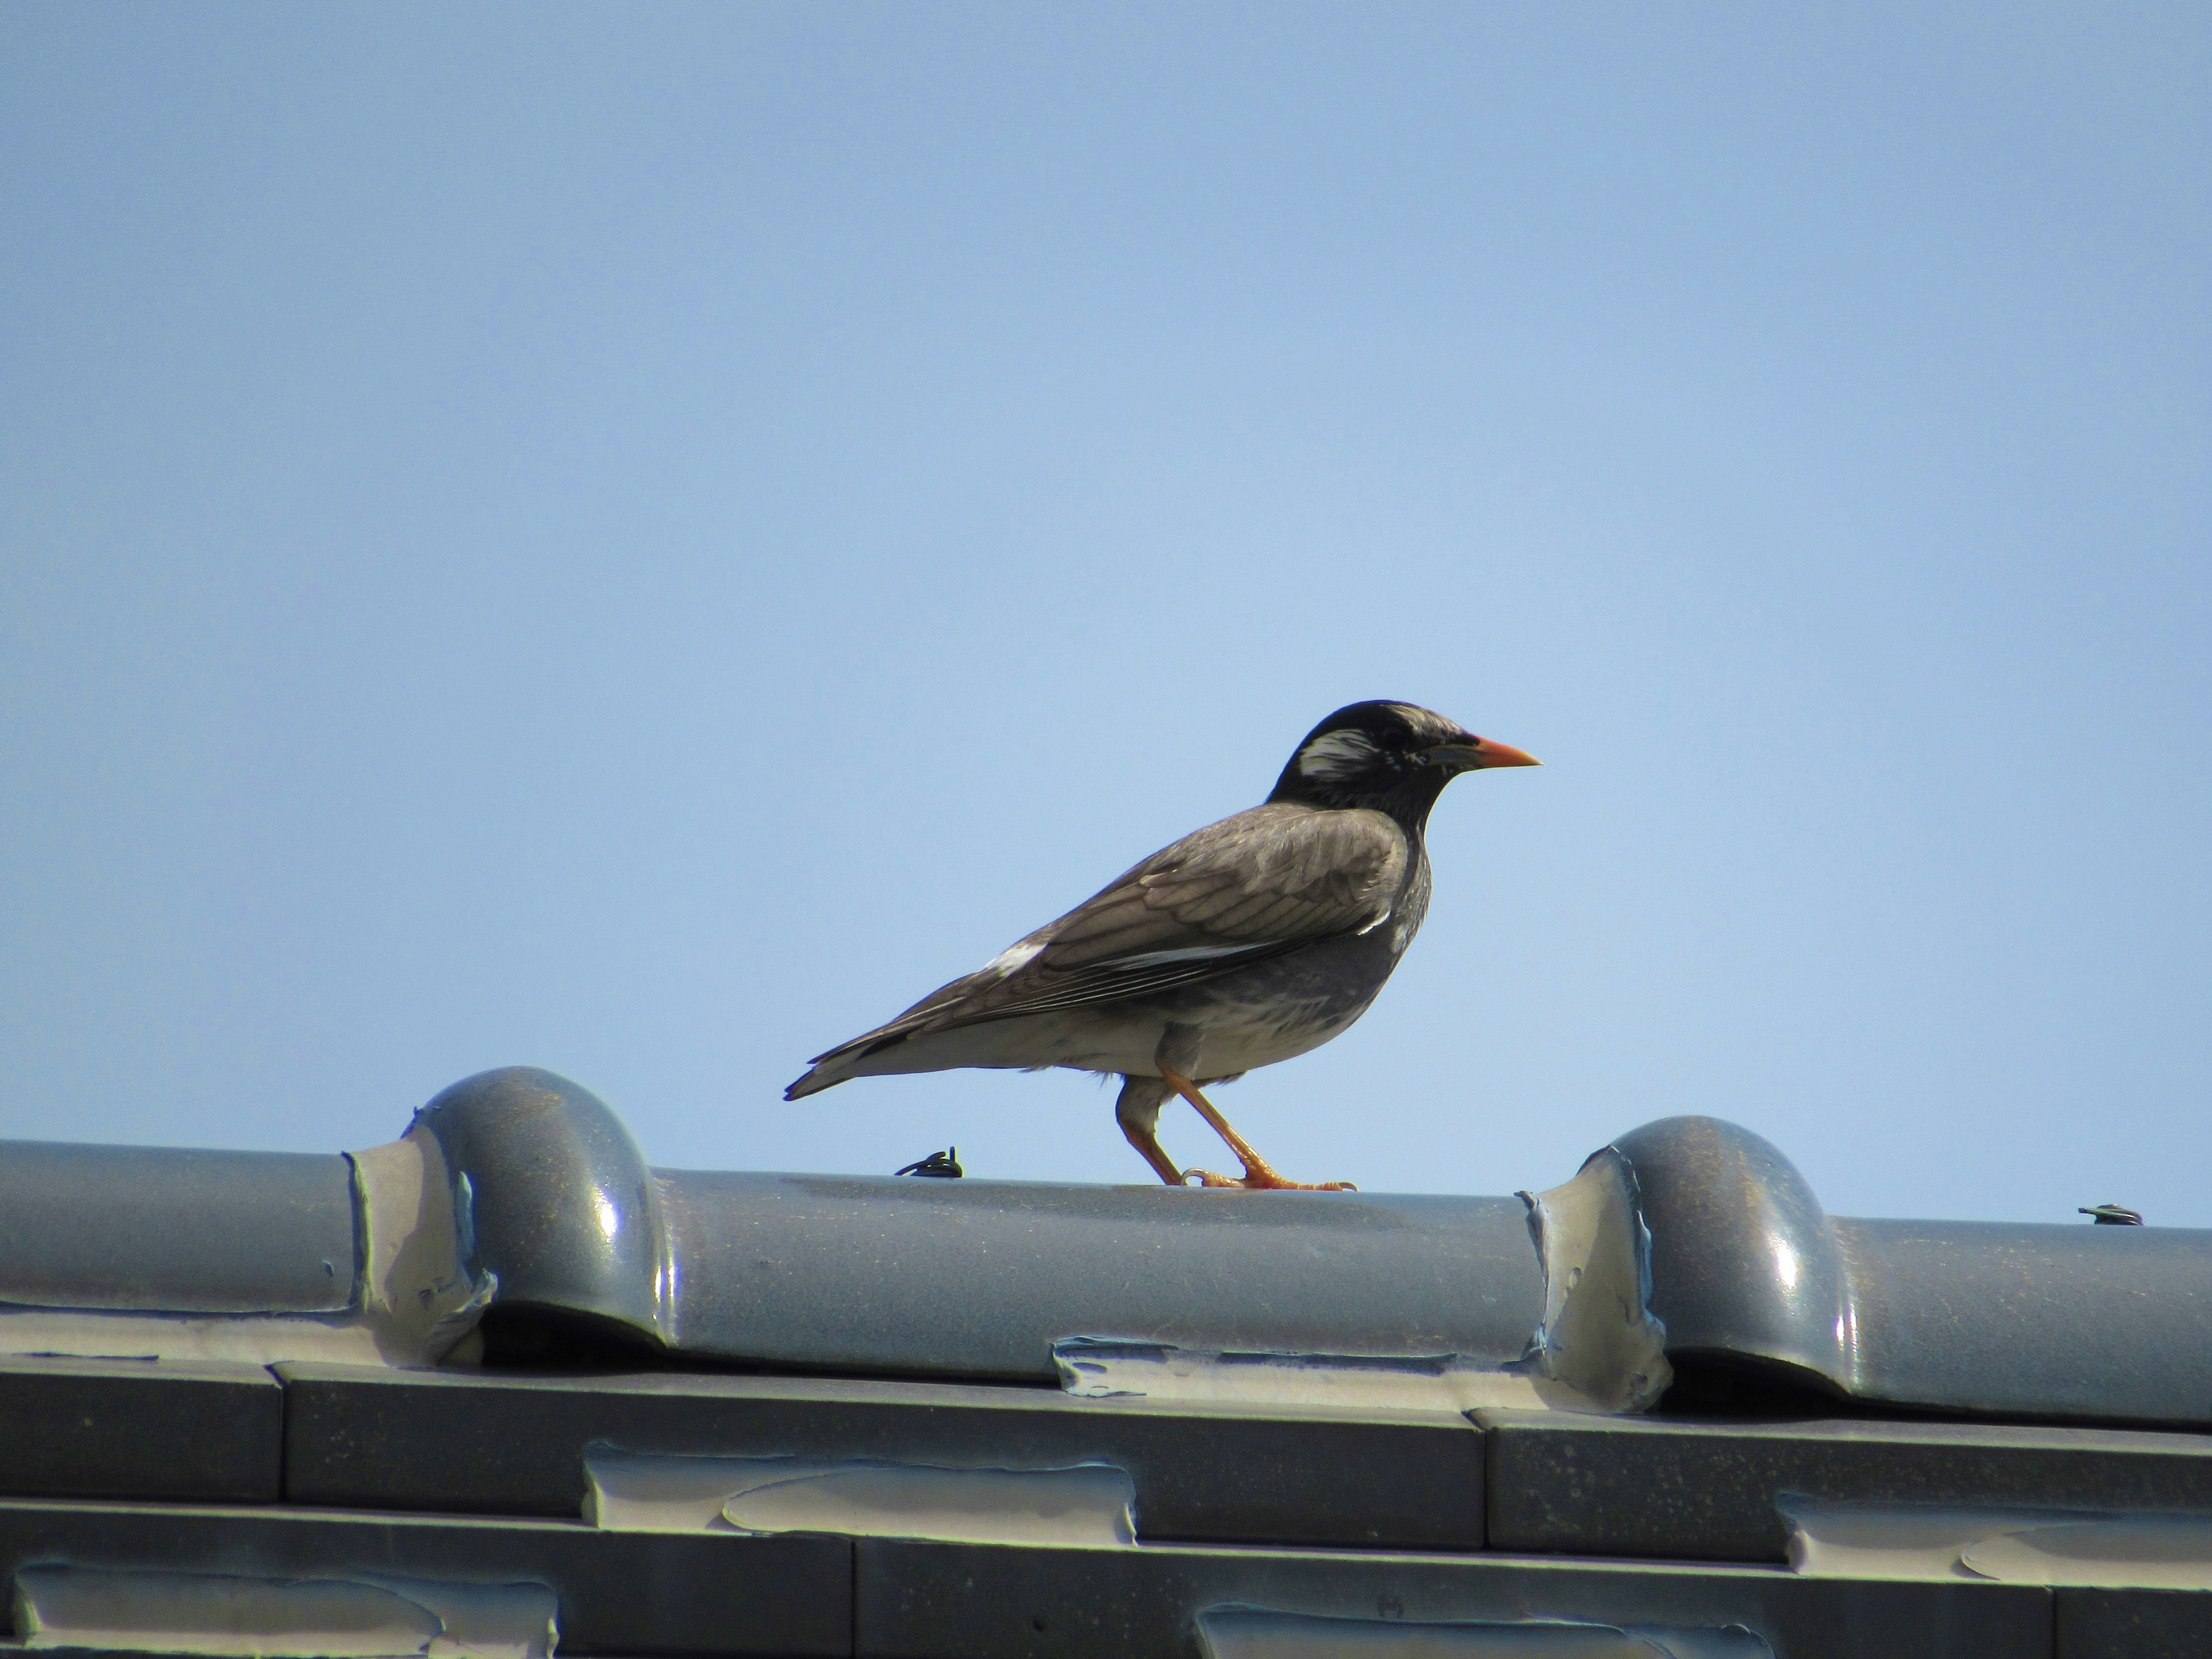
(1265, 1180)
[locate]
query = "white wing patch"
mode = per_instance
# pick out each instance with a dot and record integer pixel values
(1013, 958)
(1335, 754)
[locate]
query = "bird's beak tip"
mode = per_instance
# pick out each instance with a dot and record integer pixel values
(1488, 753)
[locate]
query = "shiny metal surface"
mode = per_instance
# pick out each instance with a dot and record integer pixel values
(553, 1197)
(161, 1229)
(1995, 1317)
(2043, 1320)
(1743, 1261)
(980, 1277)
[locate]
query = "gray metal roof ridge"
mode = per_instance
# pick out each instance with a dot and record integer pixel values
(519, 1191)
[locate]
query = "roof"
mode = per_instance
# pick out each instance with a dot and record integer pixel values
(483, 1385)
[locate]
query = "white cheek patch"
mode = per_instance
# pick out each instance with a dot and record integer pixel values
(1335, 754)
(1012, 959)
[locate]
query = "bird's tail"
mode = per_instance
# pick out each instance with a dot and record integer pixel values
(843, 1062)
(818, 1078)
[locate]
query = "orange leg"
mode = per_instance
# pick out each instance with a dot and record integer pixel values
(1258, 1172)
(1149, 1148)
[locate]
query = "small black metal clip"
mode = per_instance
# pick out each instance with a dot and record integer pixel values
(2113, 1215)
(946, 1164)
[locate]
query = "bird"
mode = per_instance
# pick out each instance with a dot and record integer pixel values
(1246, 943)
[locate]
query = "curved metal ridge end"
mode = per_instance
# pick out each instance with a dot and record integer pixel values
(1744, 1261)
(553, 1197)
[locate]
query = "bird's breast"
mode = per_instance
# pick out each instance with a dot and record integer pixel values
(1411, 908)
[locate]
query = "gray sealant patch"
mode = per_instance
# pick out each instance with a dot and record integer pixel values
(2056, 1548)
(1087, 1504)
(356, 1617)
(1104, 1367)
(1599, 1338)
(1257, 1633)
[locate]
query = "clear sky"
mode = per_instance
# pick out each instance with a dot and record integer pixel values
(640, 540)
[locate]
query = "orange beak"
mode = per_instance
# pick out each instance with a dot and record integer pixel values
(1477, 753)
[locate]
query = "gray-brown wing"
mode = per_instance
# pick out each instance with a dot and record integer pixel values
(1258, 884)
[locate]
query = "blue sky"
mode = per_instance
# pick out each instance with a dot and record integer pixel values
(640, 541)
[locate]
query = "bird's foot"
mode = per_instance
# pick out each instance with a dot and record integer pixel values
(1261, 1178)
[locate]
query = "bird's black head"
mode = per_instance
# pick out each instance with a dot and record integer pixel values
(1393, 757)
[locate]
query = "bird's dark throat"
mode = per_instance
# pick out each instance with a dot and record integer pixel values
(1406, 795)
